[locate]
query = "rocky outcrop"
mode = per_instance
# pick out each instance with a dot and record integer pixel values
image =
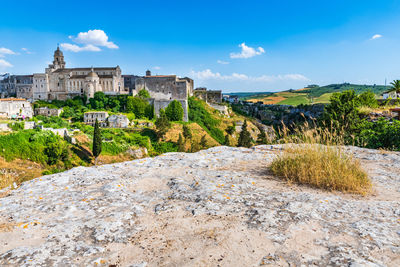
(219, 207)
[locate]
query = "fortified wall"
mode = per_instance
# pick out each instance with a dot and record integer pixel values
(163, 89)
(210, 96)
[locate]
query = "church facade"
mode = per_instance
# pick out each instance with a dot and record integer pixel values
(61, 83)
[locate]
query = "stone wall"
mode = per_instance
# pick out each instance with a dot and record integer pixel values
(210, 96)
(162, 104)
(15, 108)
(45, 111)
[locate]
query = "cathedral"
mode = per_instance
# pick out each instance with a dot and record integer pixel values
(61, 83)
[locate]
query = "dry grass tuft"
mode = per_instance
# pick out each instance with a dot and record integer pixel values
(314, 157)
(321, 166)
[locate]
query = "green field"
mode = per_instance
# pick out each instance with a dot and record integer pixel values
(313, 95)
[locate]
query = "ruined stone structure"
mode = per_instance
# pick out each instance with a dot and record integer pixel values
(117, 121)
(90, 117)
(45, 111)
(63, 83)
(15, 108)
(164, 89)
(210, 96)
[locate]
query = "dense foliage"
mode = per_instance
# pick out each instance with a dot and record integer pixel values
(199, 114)
(36, 145)
(174, 111)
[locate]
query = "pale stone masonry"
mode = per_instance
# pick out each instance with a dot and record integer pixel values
(90, 117)
(15, 108)
(61, 83)
(117, 121)
(163, 89)
(210, 96)
(45, 111)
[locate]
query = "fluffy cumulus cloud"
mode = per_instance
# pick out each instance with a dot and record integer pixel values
(376, 36)
(92, 40)
(209, 75)
(5, 64)
(248, 52)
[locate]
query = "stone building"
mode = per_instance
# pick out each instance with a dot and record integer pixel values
(163, 89)
(20, 86)
(45, 111)
(15, 108)
(210, 96)
(129, 83)
(117, 121)
(61, 83)
(90, 117)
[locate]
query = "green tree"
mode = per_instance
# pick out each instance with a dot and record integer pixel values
(96, 140)
(368, 99)
(395, 87)
(162, 124)
(144, 94)
(187, 133)
(244, 137)
(137, 106)
(262, 137)
(174, 111)
(227, 142)
(203, 142)
(342, 112)
(55, 149)
(99, 101)
(181, 144)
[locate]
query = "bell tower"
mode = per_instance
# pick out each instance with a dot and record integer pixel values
(58, 62)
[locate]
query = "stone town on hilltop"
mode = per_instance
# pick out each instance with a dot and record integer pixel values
(61, 83)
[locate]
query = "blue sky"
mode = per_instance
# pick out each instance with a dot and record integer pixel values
(228, 45)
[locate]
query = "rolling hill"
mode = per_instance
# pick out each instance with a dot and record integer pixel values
(310, 95)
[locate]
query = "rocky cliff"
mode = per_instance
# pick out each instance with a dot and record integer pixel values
(219, 207)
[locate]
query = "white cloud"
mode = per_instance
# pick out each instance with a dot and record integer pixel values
(26, 50)
(376, 36)
(222, 62)
(5, 64)
(94, 37)
(248, 52)
(157, 68)
(209, 75)
(91, 40)
(6, 51)
(77, 48)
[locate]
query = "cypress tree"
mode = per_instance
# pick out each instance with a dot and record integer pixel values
(261, 137)
(227, 142)
(186, 132)
(181, 144)
(244, 137)
(203, 142)
(96, 140)
(162, 124)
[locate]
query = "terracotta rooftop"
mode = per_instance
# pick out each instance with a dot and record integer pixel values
(12, 99)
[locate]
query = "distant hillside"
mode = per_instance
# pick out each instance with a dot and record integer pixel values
(332, 88)
(311, 95)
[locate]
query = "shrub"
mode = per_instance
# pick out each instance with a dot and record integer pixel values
(320, 166)
(367, 99)
(164, 147)
(137, 106)
(174, 111)
(143, 94)
(16, 126)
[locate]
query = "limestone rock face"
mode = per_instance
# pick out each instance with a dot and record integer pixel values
(216, 207)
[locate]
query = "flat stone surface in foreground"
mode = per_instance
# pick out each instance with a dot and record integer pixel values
(218, 207)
